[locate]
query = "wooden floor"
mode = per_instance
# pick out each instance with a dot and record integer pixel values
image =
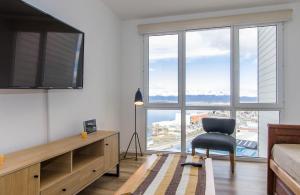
(249, 179)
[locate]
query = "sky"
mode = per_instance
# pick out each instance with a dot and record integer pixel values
(207, 63)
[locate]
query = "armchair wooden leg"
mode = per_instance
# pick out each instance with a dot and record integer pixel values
(232, 162)
(193, 151)
(207, 153)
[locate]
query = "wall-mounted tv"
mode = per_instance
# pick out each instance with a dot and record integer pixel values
(38, 50)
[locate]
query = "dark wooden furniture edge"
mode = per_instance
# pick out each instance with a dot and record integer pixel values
(279, 134)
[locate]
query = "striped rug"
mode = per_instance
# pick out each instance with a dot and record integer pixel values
(167, 176)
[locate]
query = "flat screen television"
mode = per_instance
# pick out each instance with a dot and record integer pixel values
(38, 50)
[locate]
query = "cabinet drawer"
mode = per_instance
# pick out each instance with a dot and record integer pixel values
(91, 171)
(111, 151)
(68, 185)
(23, 182)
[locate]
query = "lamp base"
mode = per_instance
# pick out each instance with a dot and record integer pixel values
(136, 139)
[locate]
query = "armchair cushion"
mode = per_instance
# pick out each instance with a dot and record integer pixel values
(215, 141)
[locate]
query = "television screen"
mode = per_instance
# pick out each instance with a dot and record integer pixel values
(37, 50)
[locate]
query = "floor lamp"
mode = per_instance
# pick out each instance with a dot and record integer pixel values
(138, 101)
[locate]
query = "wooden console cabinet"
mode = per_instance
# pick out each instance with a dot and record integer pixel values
(62, 167)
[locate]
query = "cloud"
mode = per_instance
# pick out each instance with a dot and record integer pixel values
(208, 43)
(248, 43)
(204, 43)
(163, 47)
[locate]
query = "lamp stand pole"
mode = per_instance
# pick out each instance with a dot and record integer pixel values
(136, 139)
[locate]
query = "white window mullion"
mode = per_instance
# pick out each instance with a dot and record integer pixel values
(280, 67)
(146, 84)
(181, 88)
(233, 74)
(208, 107)
(146, 70)
(235, 67)
(280, 70)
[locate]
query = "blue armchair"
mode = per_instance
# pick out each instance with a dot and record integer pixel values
(217, 137)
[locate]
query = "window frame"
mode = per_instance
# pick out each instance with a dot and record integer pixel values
(279, 69)
(208, 107)
(234, 105)
(146, 72)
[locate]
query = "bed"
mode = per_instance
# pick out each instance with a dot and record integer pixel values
(284, 159)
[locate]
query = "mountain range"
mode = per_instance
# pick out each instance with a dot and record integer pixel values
(201, 98)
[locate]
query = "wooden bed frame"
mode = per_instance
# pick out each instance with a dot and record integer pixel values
(279, 181)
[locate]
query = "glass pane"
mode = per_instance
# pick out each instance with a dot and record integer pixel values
(208, 67)
(194, 125)
(251, 132)
(258, 61)
(164, 130)
(163, 69)
(265, 118)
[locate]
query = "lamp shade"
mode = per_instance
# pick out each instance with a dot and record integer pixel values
(138, 100)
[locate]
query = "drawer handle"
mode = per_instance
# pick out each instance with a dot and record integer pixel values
(94, 171)
(36, 176)
(106, 144)
(64, 189)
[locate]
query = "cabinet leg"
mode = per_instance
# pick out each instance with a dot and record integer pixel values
(117, 174)
(118, 170)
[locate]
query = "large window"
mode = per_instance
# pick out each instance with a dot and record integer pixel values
(164, 130)
(258, 61)
(251, 132)
(208, 67)
(163, 69)
(230, 72)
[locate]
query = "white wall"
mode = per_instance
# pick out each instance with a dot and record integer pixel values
(131, 79)
(132, 66)
(100, 97)
(25, 118)
(292, 68)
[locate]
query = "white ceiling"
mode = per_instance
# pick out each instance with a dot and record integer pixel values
(137, 9)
